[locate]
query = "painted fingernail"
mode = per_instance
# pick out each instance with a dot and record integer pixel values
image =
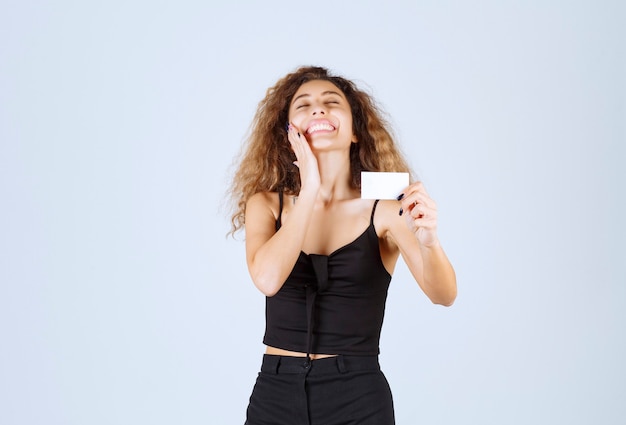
(287, 126)
(298, 135)
(401, 211)
(400, 196)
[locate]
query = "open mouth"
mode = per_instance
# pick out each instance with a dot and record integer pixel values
(322, 126)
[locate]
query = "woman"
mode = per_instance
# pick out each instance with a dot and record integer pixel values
(322, 255)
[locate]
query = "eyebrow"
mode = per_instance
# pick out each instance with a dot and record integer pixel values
(325, 93)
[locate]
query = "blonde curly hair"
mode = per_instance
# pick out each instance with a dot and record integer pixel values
(265, 163)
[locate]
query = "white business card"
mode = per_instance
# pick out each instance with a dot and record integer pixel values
(383, 185)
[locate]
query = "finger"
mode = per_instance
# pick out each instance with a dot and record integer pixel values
(426, 210)
(295, 139)
(422, 211)
(418, 199)
(293, 133)
(420, 194)
(419, 187)
(417, 212)
(423, 223)
(415, 187)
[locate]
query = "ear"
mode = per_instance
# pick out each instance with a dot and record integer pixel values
(354, 139)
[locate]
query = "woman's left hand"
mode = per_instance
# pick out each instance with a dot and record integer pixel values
(420, 213)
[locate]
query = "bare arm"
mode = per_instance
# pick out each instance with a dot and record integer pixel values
(415, 234)
(271, 254)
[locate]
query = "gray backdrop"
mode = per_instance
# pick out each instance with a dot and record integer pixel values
(121, 299)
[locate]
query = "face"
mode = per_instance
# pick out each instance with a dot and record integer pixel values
(322, 113)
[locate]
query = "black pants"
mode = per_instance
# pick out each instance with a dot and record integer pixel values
(342, 390)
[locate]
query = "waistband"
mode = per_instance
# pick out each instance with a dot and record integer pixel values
(277, 365)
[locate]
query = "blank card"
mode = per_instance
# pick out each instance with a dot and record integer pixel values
(383, 185)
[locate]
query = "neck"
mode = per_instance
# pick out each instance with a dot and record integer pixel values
(335, 177)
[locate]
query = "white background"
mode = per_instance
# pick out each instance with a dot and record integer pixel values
(121, 299)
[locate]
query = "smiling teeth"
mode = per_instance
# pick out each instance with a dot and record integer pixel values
(318, 127)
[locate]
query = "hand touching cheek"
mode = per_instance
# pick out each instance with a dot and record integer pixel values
(305, 160)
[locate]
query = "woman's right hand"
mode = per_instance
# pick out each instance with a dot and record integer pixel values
(305, 160)
(272, 254)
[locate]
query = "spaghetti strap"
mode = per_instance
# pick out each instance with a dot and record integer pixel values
(280, 210)
(373, 211)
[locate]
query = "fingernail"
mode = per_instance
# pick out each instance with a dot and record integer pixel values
(400, 196)
(401, 211)
(298, 135)
(287, 126)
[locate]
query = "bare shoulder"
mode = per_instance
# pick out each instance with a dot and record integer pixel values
(260, 220)
(262, 204)
(388, 222)
(386, 219)
(387, 216)
(260, 199)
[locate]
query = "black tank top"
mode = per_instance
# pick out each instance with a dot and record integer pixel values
(331, 304)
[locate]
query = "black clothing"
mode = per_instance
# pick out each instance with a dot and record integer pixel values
(331, 304)
(340, 390)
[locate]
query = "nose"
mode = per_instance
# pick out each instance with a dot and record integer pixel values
(319, 110)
